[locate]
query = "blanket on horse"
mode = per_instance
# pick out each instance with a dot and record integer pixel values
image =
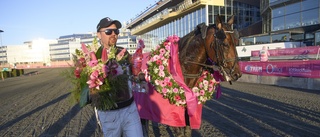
(152, 106)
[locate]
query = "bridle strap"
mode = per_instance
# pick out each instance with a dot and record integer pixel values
(214, 67)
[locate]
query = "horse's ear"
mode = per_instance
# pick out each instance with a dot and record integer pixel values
(219, 26)
(231, 20)
(218, 19)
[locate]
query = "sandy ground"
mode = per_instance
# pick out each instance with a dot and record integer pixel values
(39, 105)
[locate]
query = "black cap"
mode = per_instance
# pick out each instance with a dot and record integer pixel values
(106, 22)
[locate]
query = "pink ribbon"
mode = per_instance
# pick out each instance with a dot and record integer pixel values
(175, 70)
(218, 77)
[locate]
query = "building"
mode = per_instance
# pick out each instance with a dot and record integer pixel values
(288, 21)
(66, 46)
(63, 50)
(179, 17)
(30, 52)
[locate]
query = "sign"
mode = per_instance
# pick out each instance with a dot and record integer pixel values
(289, 51)
(295, 68)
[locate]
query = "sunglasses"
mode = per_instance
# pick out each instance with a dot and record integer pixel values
(109, 31)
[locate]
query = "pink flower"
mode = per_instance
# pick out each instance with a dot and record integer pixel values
(161, 67)
(84, 48)
(94, 81)
(94, 74)
(77, 72)
(104, 56)
(155, 58)
(162, 51)
(163, 83)
(200, 85)
(175, 90)
(94, 60)
(177, 98)
(202, 92)
(169, 84)
(159, 62)
(167, 79)
(121, 54)
(164, 90)
(210, 89)
(195, 89)
(162, 74)
(167, 47)
(82, 62)
(205, 82)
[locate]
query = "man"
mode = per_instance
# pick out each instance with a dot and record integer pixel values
(123, 120)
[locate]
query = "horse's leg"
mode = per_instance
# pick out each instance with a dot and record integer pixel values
(187, 131)
(178, 131)
(187, 128)
(145, 127)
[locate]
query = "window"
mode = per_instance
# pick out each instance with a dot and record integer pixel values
(293, 8)
(292, 21)
(278, 12)
(277, 24)
(263, 39)
(247, 41)
(280, 37)
(310, 17)
(309, 4)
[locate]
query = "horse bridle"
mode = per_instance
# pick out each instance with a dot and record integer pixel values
(220, 66)
(222, 63)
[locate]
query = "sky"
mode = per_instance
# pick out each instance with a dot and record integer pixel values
(26, 20)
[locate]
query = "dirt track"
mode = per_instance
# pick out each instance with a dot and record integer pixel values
(39, 105)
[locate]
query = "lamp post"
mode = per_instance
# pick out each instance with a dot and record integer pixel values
(1, 45)
(1, 53)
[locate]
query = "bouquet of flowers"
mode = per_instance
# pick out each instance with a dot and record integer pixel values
(98, 75)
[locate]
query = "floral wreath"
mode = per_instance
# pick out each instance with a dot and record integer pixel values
(96, 74)
(165, 84)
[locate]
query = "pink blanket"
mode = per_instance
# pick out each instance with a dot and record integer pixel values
(154, 107)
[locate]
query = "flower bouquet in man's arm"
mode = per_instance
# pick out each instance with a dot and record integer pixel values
(97, 74)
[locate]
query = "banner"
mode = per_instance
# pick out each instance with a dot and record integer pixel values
(289, 51)
(294, 68)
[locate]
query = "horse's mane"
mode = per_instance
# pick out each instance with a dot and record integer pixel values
(189, 45)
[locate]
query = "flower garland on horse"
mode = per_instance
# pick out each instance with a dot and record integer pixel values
(164, 82)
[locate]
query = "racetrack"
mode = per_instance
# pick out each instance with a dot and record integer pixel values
(39, 105)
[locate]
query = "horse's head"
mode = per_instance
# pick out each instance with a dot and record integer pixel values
(220, 43)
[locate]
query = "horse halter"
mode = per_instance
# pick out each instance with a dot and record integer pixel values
(222, 63)
(220, 36)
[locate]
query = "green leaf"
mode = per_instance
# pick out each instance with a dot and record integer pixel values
(84, 98)
(99, 52)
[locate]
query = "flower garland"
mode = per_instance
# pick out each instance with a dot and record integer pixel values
(97, 75)
(165, 84)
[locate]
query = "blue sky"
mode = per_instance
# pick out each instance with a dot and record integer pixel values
(25, 20)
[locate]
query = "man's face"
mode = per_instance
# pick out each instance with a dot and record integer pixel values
(108, 36)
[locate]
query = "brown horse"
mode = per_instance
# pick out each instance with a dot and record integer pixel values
(216, 43)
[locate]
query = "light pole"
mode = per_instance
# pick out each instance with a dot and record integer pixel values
(1, 46)
(1, 53)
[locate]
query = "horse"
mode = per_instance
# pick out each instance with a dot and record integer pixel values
(215, 43)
